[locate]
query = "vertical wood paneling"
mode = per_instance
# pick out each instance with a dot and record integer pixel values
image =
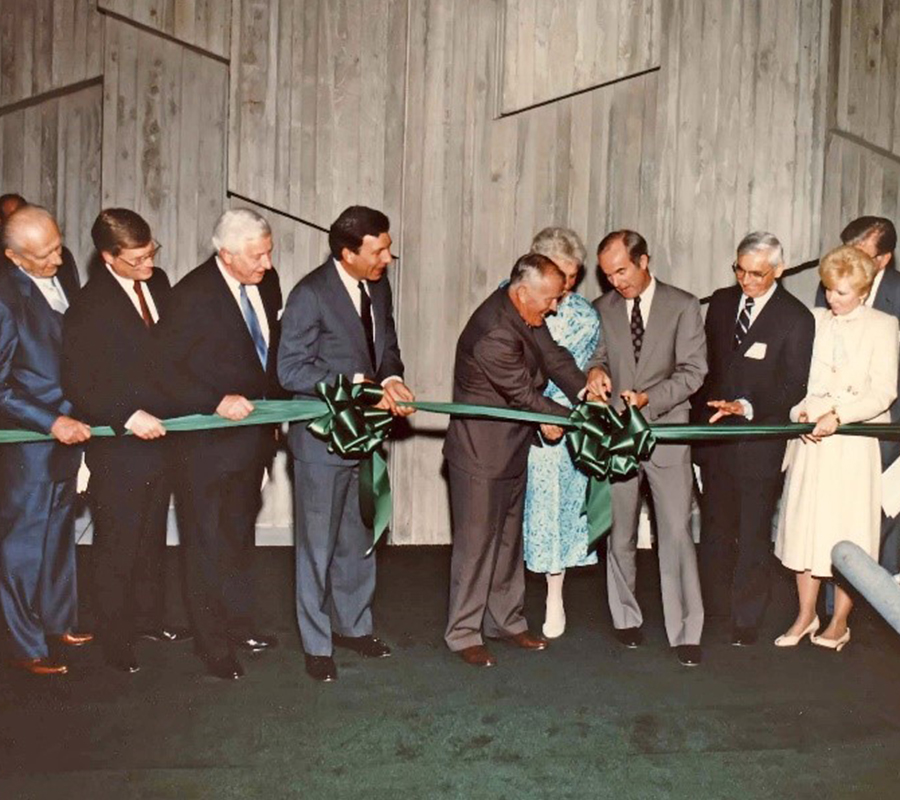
(206, 24)
(47, 45)
(164, 139)
(552, 48)
(50, 153)
(316, 142)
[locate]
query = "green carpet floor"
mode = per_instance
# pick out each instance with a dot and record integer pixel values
(585, 719)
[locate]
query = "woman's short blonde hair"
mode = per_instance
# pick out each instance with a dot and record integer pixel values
(555, 243)
(848, 262)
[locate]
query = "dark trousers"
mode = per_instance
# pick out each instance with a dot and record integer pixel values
(736, 544)
(487, 573)
(217, 528)
(130, 511)
(38, 592)
(335, 577)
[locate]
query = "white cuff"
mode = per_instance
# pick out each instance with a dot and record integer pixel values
(390, 378)
(131, 420)
(748, 409)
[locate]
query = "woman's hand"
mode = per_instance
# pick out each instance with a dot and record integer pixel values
(826, 425)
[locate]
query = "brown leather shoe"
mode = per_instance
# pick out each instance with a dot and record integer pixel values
(527, 642)
(39, 666)
(73, 639)
(478, 656)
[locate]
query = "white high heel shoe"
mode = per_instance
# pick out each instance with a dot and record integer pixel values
(792, 641)
(832, 644)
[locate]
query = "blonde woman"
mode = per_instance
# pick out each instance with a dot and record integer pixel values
(833, 486)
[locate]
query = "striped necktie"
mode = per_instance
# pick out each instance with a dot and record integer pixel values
(743, 322)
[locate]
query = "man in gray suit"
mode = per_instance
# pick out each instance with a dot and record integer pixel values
(652, 356)
(504, 357)
(339, 320)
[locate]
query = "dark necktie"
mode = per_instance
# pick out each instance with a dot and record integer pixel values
(259, 341)
(637, 328)
(142, 302)
(365, 314)
(743, 322)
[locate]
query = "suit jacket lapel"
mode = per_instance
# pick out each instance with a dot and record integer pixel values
(884, 297)
(37, 304)
(342, 304)
(619, 329)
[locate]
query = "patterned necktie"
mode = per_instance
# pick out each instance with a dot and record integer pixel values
(365, 314)
(743, 322)
(142, 302)
(259, 341)
(637, 328)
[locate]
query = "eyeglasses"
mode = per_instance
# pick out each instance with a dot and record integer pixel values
(147, 259)
(740, 273)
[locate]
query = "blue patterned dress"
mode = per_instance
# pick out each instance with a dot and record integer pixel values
(554, 528)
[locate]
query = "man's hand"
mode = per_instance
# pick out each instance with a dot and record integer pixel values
(234, 407)
(599, 385)
(396, 391)
(70, 431)
(145, 426)
(725, 408)
(636, 399)
(552, 433)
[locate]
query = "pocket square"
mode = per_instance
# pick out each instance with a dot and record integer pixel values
(757, 351)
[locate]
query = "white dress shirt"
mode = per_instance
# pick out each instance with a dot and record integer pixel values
(646, 302)
(234, 286)
(127, 285)
(52, 290)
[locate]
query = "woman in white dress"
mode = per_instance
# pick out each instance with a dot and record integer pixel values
(833, 486)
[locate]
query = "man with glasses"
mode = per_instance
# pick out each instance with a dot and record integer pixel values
(760, 343)
(112, 374)
(37, 480)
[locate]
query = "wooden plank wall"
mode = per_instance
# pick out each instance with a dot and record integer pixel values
(552, 48)
(205, 24)
(863, 150)
(164, 134)
(317, 100)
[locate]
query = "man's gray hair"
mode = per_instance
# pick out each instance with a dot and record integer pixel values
(22, 223)
(236, 227)
(559, 243)
(531, 268)
(762, 242)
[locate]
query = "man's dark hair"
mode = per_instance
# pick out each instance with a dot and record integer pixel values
(354, 224)
(532, 266)
(635, 244)
(861, 229)
(118, 229)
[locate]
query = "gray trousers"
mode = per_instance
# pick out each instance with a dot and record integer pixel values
(335, 577)
(487, 573)
(671, 488)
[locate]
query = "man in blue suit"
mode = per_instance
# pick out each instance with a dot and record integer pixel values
(339, 320)
(37, 481)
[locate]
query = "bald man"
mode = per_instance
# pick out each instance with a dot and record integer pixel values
(37, 480)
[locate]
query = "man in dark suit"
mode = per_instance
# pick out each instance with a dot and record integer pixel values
(504, 357)
(877, 238)
(652, 356)
(220, 336)
(112, 375)
(760, 340)
(37, 481)
(339, 320)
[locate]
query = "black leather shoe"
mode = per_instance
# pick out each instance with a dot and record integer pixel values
(630, 637)
(123, 659)
(254, 643)
(171, 635)
(227, 668)
(689, 655)
(743, 637)
(367, 646)
(321, 668)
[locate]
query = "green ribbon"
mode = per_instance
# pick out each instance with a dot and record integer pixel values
(604, 444)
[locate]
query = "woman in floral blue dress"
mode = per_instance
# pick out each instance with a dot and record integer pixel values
(555, 531)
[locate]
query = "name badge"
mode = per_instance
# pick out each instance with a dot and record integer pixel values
(757, 351)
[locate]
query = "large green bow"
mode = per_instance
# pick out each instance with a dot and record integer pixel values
(606, 445)
(355, 429)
